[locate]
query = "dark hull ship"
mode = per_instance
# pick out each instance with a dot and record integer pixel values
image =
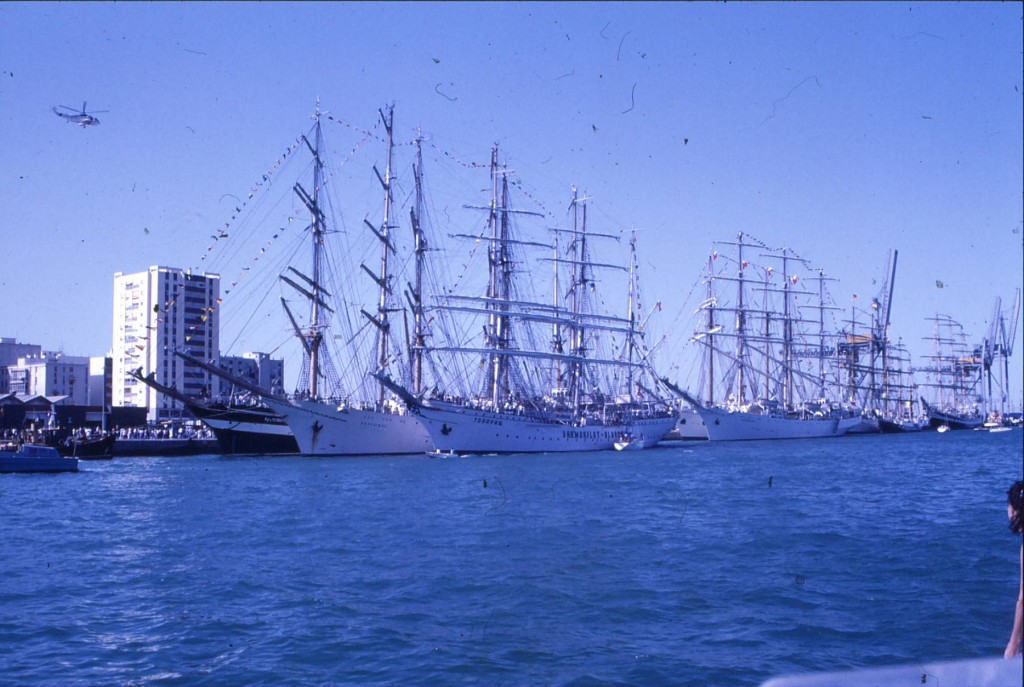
(240, 429)
(954, 420)
(85, 448)
(955, 371)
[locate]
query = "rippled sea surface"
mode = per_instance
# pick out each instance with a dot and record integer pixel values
(693, 564)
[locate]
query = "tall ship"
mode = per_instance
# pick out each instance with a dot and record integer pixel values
(875, 371)
(241, 425)
(768, 362)
(898, 407)
(326, 416)
(521, 371)
(954, 377)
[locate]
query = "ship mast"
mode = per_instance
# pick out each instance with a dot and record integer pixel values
(383, 279)
(632, 313)
(711, 329)
(787, 334)
(312, 337)
(499, 267)
(557, 344)
(316, 338)
(821, 333)
(767, 334)
(578, 252)
(499, 305)
(318, 363)
(875, 344)
(415, 293)
(506, 267)
(852, 356)
(740, 321)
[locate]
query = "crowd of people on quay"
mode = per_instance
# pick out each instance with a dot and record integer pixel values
(34, 435)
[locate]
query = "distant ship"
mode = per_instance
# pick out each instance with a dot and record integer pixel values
(951, 418)
(874, 370)
(955, 376)
(899, 412)
(765, 369)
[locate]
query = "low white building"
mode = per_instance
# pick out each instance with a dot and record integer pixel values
(10, 351)
(51, 374)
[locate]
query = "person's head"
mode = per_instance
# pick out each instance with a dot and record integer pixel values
(1015, 507)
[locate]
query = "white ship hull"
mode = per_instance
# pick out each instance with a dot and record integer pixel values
(467, 430)
(321, 429)
(723, 425)
(867, 425)
(690, 426)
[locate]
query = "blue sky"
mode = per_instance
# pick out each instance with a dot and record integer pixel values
(841, 130)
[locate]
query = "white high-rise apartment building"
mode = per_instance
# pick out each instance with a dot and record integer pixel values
(155, 313)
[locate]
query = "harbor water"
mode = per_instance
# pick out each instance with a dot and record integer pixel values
(689, 564)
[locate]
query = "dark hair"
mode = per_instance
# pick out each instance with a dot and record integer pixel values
(1015, 497)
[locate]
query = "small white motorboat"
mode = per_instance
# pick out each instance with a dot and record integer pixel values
(629, 442)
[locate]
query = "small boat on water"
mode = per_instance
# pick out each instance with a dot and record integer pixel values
(996, 428)
(35, 458)
(629, 442)
(993, 424)
(438, 453)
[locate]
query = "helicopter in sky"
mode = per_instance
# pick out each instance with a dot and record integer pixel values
(81, 118)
